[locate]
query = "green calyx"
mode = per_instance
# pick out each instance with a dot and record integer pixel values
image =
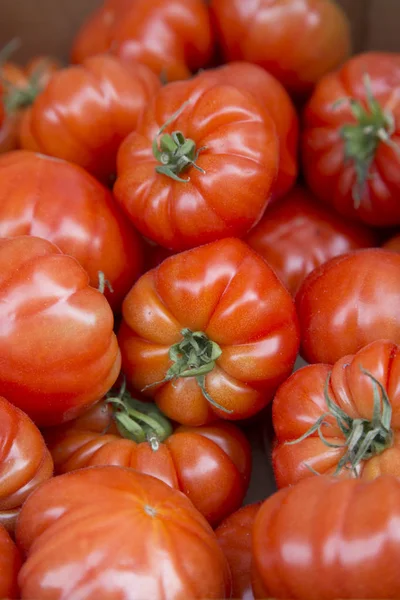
(364, 438)
(104, 284)
(17, 98)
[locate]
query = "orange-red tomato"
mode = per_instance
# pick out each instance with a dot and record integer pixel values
(173, 38)
(10, 564)
(86, 111)
(58, 352)
(60, 202)
(235, 538)
(115, 534)
(298, 234)
(297, 41)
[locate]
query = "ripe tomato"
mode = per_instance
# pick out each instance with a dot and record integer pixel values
(173, 38)
(58, 352)
(329, 538)
(86, 111)
(349, 302)
(209, 177)
(10, 564)
(297, 41)
(351, 139)
(138, 539)
(298, 234)
(209, 333)
(62, 203)
(234, 537)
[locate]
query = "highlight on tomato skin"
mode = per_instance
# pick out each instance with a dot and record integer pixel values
(10, 564)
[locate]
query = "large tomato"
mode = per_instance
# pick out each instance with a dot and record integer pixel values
(10, 564)
(349, 302)
(201, 165)
(58, 352)
(86, 111)
(351, 139)
(328, 538)
(209, 333)
(173, 38)
(297, 41)
(62, 203)
(115, 534)
(298, 234)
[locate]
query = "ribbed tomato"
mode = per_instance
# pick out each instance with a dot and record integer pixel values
(10, 564)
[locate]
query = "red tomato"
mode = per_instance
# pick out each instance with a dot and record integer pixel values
(62, 203)
(58, 352)
(210, 176)
(138, 539)
(297, 41)
(351, 139)
(234, 537)
(210, 333)
(10, 564)
(393, 243)
(298, 234)
(349, 302)
(327, 538)
(86, 111)
(173, 38)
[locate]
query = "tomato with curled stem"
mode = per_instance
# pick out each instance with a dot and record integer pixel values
(10, 564)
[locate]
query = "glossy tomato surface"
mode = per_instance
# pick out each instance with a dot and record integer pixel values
(10, 564)
(327, 538)
(349, 302)
(245, 326)
(139, 539)
(297, 41)
(86, 111)
(58, 352)
(60, 202)
(298, 234)
(237, 151)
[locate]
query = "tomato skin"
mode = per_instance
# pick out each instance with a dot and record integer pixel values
(109, 561)
(58, 351)
(297, 41)
(234, 537)
(340, 304)
(298, 234)
(239, 156)
(332, 550)
(62, 203)
(173, 39)
(86, 111)
(227, 291)
(10, 564)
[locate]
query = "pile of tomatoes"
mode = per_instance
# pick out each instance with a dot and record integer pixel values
(209, 191)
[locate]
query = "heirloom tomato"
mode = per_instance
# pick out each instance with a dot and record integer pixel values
(209, 333)
(60, 202)
(328, 538)
(297, 41)
(87, 110)
(349, 302)
(172, 38)
(298, 234)
(200, 167)
(58, 352)
(351, 150)
(10, 564)
(116, 534)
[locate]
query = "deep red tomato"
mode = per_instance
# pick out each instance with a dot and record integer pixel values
(138, 539)
(25, 462)
(351, 139)
(235, 539)
(86, 111)
(297, 41)
(58, 352)
(327, 415)
(209, 333)
(173, 38)
(209, 174)
(349, 302)
(210, 464)
(327, 538)
(298, 234)
(62, 203)
(10, 564)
